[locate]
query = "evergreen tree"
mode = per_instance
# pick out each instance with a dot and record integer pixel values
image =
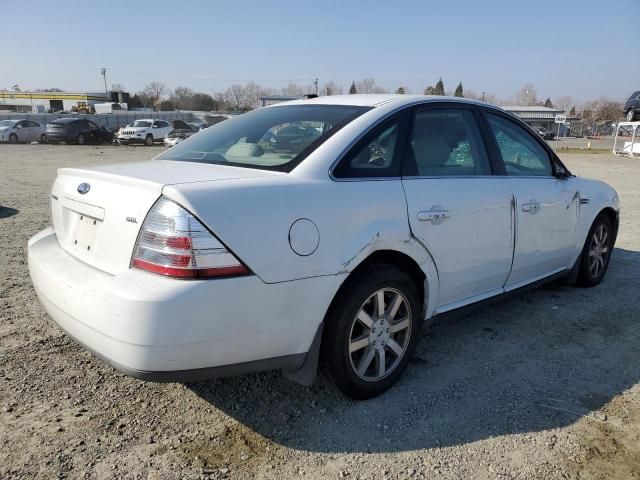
(430, 90)
(547, 103)
(400, 90)
(439, 90)
(459, 92)
(573, 111)
(352, 88)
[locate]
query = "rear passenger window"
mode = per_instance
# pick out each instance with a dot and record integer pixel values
(376, 155)
(521, 152)
(446, 142)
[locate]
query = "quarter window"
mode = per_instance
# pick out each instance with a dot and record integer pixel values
(521, 153)
(446, 142)
(376, 155)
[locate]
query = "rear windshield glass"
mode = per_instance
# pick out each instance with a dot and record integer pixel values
(274, 138)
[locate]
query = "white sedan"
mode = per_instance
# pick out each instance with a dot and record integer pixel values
(14, 131)
(321, 231)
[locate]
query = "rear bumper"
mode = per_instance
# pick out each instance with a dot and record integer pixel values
(54, 137)
(156, 328)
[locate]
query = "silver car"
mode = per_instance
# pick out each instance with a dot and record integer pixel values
(14, 131)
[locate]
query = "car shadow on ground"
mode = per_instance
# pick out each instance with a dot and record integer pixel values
(6, 212)
(539, 360)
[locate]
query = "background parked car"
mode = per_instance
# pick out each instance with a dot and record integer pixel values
(145, 131)
(14, 131)
(76, 130)
(181, 131)
(544, 133)
(632, 107)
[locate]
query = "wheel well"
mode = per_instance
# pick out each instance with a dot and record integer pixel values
(390, 257)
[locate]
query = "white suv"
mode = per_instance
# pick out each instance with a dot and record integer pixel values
(144, 131)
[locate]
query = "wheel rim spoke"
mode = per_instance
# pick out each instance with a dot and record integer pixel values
(365, 318)
(380, 303)
(395, 348)
(382, 367)
(359, 344)
(400, 325)
(366, 360)
(395, 306)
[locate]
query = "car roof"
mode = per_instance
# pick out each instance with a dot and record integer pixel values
(375, 100)
(67, 120)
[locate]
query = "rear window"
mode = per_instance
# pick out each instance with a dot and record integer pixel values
(274, 138)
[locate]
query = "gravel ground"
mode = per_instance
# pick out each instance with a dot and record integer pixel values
(543, 385)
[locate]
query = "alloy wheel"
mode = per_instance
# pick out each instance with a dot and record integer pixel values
(380, 334)
(630, 115)
(599, 251)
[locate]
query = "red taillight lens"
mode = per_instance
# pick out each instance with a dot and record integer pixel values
(173, 242)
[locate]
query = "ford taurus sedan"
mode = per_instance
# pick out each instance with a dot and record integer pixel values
(237, 250)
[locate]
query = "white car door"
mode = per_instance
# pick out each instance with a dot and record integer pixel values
(457, 208)
(23, 131)
(546, 209)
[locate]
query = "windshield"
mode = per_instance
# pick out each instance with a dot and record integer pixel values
(274, 138)
(141, 123)
(8, 123)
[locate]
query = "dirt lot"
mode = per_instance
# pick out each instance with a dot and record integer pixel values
(544, 385)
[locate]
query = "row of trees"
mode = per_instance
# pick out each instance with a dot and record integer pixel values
(243, 97)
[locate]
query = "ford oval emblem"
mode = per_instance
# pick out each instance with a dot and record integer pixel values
(83, 188)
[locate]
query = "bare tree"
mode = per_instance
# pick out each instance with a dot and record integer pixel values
(526, 96)
(564, 103)
(182, 98)
(295, 90)
(332, 88)
(369, 85)
(235, 97)
(153, 93)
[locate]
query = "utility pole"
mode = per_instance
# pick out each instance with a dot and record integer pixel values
(315, 82)
(483, 96)
(103, 71)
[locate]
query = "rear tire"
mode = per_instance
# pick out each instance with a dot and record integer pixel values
(148, 141)
(82, 140)
(13, 139)
(631, 115)
(596, 252)
(364, 352)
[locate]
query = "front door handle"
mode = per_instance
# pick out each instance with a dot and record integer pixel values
(531, 207)
(434, 216)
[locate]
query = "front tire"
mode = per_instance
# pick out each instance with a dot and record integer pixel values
(631, 115)
(596, 252)
(82, 140)
(43, 138)
(148, 141)
(370, 332)
(13, 139)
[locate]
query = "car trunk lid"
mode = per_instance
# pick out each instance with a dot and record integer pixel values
(101, 225)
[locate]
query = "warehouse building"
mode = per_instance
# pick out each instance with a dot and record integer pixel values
(49, 102)
(536, 117)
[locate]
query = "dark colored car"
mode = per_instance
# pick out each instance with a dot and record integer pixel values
(76, 130)
(631, 108)
(544, 133)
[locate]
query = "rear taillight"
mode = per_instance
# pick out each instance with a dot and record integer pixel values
(173, 242)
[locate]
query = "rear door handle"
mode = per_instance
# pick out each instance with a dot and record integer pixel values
(433, 216)
(531, 207)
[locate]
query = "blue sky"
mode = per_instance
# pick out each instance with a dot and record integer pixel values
(585, 49)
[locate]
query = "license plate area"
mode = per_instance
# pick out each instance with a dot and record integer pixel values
(83, 231)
